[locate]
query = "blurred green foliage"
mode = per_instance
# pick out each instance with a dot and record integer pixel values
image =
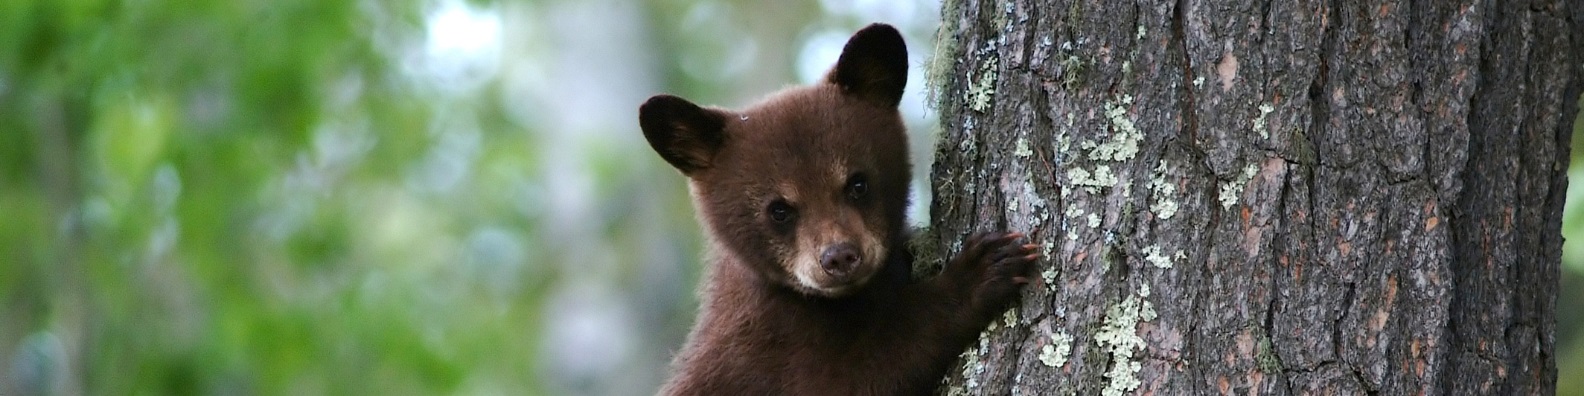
(208, 197)
(325, 197)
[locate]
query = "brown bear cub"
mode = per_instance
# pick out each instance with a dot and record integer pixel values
(804, 197)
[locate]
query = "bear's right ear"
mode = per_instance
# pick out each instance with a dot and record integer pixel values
(685, 135)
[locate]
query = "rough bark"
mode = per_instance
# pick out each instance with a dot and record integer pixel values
(1263, 197)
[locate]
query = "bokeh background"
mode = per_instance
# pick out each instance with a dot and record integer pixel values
(395, 197)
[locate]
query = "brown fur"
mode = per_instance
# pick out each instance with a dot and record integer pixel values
(804, 196)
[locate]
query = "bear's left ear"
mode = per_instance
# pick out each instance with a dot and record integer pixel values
(873, 65)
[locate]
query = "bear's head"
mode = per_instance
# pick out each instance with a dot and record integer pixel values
(809, 187)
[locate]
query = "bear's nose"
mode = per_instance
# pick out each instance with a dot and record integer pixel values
(839, 259)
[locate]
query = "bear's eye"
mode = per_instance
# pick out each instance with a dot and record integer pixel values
(857, 186)
(779, 211)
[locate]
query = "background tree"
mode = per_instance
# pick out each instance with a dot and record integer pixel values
(1337, 197)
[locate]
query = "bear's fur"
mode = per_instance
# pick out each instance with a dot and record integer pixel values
(803, 196)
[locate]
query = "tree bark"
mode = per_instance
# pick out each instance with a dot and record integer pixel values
(1273, 197)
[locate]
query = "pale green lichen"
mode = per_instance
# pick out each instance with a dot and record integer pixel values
(1233, 190)
(1198, 82)
(1163, 192)
(1124, 141)
(1010, 318)
(1165, 208)
(1022, 149)
(957, 391)
(1075, 213)
(1055, 353)
(1266, 357)
(1003, 20)
(1093, 219)
(1103, 176)
(1140, 34)
(1049, 275)
(973, 364)
(1118, 336)
(1152, 254)
(980, 93)
(1092, 182)
(1259, 122)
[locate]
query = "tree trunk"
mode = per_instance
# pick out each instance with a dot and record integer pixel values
(1281, 197)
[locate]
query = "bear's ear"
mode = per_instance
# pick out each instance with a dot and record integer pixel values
(873, 65)
(686, 135)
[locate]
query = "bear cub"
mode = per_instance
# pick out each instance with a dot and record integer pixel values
(803, 197)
